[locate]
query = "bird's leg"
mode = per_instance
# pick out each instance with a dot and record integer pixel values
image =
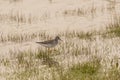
(50, 50)
(47, 51)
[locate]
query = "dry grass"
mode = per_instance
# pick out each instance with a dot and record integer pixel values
(89, 55)
(91, 59)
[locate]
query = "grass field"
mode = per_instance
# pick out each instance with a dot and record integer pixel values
(90, 30)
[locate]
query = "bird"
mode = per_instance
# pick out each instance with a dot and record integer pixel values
(50, 43)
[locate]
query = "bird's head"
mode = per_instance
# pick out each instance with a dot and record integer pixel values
(57, 38)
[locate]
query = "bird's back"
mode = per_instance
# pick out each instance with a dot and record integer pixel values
(49, 43)
(46, 42)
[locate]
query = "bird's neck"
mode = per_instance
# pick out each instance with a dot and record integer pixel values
(56, 40)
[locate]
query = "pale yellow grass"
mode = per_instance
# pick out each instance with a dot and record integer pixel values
(24, 22)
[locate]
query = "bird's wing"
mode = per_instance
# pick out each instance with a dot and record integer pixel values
(45, 42)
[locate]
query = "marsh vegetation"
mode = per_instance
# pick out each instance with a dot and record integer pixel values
(90, 31)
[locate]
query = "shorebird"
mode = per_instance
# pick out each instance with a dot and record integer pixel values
(50, 43)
